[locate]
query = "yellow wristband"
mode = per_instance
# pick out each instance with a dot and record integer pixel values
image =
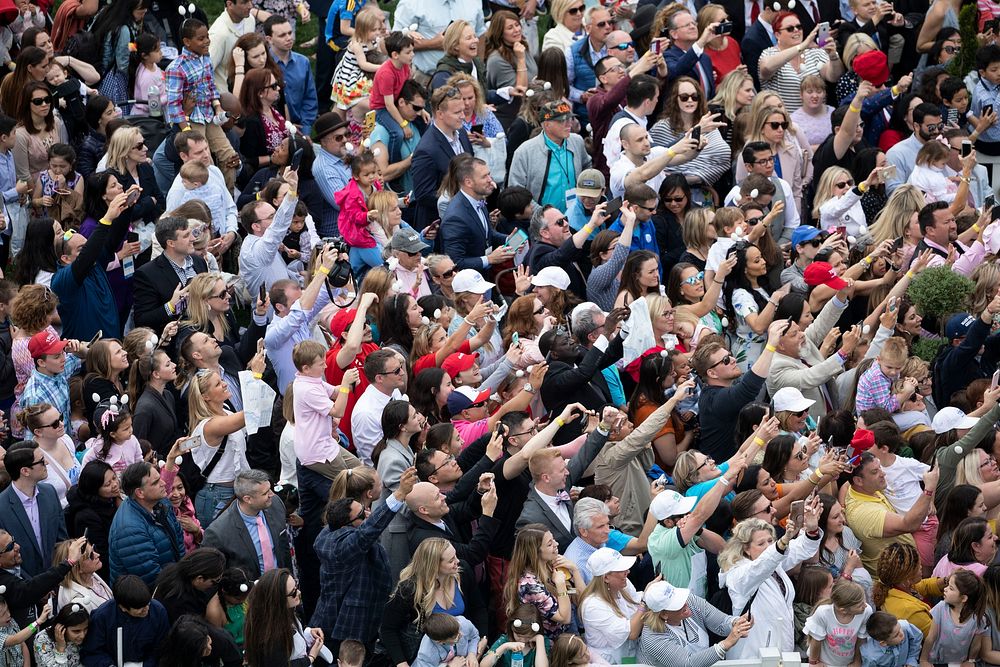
(671, 153)
(345, 390)
(894, 90)
(976, 228)
(863, 187)
(770, 348)
(868, 260)
(909, 274)
(854, 109)
(105, 221)
(293, 194)
(325, 271)
(560, 422)
(589, 228)
(759, 441)
(258, 376)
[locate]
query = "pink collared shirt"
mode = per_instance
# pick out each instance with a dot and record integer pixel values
(314, 441)
(966, 263)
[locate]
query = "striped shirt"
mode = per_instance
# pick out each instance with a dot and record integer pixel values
(786, 81)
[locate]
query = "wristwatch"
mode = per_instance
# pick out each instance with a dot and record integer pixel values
(528, 388)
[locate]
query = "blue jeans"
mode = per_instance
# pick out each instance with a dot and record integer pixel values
(385, 119)
(210, 501)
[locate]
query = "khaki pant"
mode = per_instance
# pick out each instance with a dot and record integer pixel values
(223, 151)
(330, 469)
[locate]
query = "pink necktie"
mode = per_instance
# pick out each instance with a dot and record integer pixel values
(265, 544)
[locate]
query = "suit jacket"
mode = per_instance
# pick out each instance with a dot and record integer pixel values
(682, 63)
(465, 240)
(228, 533)
(472, 552)
(154, 284)
(428, 166)
(22, 593)
(537, 511)
(565, 384)
(36, 558)
(829, 11)
(753, 44)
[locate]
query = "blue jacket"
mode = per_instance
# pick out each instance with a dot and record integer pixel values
(142, 636)
(142, 544)
(584, 77)
(36, 558)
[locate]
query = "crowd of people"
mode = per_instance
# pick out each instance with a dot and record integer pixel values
(505, 333)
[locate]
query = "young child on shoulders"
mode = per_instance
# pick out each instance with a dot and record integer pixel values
(114, 444)
(197, 185)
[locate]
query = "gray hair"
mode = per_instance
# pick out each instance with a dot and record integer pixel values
(583, 320)
(586, 510)
(538, 223)
(588, 16)
(247, 480)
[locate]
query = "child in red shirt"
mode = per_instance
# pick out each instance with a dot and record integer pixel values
(387, 85)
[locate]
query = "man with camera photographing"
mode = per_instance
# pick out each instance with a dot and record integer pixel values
(260, 261)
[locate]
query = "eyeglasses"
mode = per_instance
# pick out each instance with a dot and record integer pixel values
(274, 86)
(447, 274)
(791, 28)
(707, 461)
(688, 97)
(624, 46)
(849, 183)
(340, 137)
(930, 126)
(670, 200)
(653, 208)
(767, 510)
(40, 462)
(774, 125)
(267, 217)
(294, 592)
(753, 222)
(41, 101)
(480, 404)
(562, 222)
(990, 461)
(767, 160)
(603, 24)
(950, 50)
(532, 431)
(695, 279)
(398, 371)
(446, 462)
(575, 10)
(139, 146)
(725, 361)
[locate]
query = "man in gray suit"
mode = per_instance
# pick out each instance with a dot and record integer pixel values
(252, 532)
(548, 501)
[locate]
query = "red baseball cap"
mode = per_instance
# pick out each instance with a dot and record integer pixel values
(458, 362)
(43, 343)
(821, 273)
(341, 320)
(863, 440)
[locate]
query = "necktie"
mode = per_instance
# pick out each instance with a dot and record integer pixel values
(563, 497)
(266, 549)
(754, 10)
(483, 216)
(815, 11)
(702, 76)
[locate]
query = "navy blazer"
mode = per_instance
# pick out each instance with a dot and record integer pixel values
(681, 63)
(429, 166)
(463, 236)
(36, 558)
(754, 42)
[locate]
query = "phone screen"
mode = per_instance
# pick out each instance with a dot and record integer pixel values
(133, 197)
(842, 230)
(966, 148)
(476, 129)
(987, 108)
(996, 380)
(989, 202)
(696, 132)
(263, 292)
(614, 208)
(797, 511)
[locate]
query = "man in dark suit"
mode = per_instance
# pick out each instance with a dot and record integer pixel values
(251, 532)
(159, 288)
(24, 594)
(686, 55)
(548, 501)
(760, 36)
(443, 140)
(468, 237)
(30, 511)
(431, 516)
(813, 12)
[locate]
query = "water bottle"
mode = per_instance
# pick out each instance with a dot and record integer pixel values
(153, 100)
(516, 659)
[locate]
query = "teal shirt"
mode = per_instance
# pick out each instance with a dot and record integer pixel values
(405, 182)
(561, 176)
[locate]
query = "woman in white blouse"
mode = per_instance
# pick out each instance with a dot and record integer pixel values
(610, 608)
(783, 67)
(567, 20)
(82, 585)
(45, 423)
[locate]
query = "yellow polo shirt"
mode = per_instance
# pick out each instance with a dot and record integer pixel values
(866, 516)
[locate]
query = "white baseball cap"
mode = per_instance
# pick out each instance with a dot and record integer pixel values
(551, 276)
(670, 503)
(790, 399)
(950, 418)
(606, 560)
(470, 280)
(661, 596)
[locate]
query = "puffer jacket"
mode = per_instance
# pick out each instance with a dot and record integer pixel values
(143, 544)
(353, 219)
(142, 635)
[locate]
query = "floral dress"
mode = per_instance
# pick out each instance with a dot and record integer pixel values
(275, 131)
(531, 590)
(350, 82)
(45, 652)
(746, 345)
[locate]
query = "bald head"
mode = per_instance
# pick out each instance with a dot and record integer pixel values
(617, 39)
(635, 140)
(427, 502)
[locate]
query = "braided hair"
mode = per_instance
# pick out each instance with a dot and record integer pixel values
(898, 567)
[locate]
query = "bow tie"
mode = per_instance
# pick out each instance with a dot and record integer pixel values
(563, 497)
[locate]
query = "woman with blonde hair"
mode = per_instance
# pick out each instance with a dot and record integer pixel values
(362, 484)
(898, 220)
(461, 55)
(986, 278)
(792, 162)
(82, 585)
(838, 200)
(385, 205)
(209, 312)
(769, 98)
(567, 22)
(854, 46)
(128, 158)
(733, 96)
(211, 422)
(610, 608)
(434, 581)
(538, 575)
(509, 63)
(754, 570)
(699, 234)
(978, 468)
(489, 143)
(569, 650)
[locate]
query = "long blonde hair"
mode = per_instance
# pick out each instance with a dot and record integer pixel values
(422, 571)
(759, 117)
(824, 190)
(198, 407)
(853, 46)
(725, 94)
(986, 278)
(892, 220)
(119, 145)
(599, 588)
(383, 202)
(735, 548)
(198, 314)
(527, 557)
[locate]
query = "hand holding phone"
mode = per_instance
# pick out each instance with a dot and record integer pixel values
(296, 159)
(133, 197)
(696, 134)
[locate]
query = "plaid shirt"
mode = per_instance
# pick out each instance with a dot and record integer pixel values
(51, 389)
(190, 74)
(875, 391)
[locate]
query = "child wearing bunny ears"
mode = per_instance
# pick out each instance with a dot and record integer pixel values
(12, 637)
(114, 444)
(524, 635)
(58, 642)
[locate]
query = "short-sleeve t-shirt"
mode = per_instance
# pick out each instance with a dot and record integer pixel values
(838, 639)
(954, 639)
(335, 374)
(387, 81)
(866, 516)
(701, 488)
(674, 558)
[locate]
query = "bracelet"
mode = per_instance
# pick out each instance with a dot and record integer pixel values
(258, 376)
(759, 441)
(910, 274)
(965, 179)
(770, 348)
(929, 493)
(171, 309)
(868, 260)
(589, 228)
(671, 153)
(813, 534)
(717, 282)
(560, 422)
(345, 390)
(468, 321)
(863, 187)
(240, 70)
(847, 576)
(105, 221)
(814, 481)
(976, 228)
(894, 90)
(293, 194)
(725, 481)
(853, 108)
(325, 271)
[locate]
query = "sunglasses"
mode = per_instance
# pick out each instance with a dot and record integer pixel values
(56, 424)
(624, 46)
(68, 234)
(849, 183)
(224, 294)
(669, 200)
(447, 274)
(562, 222)
(398, 371)
(766, 510)
(777, 125)
(340, 137)
(540, 310)
(814, 243)
(139, 146)
(689, 97)
(695, 279)
(753, 222)
(274, 86)
(294, 593)
(480, 404)
(791, 28)
(950, 50)
(10, 547)
(603, 24)
(575, 10)
(725, 361)
(41, 101)
(410, 254)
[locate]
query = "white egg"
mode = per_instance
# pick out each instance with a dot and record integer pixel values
(179, 460)
(725, 322)
(958, 449)
(519, 374)
(866, 329)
